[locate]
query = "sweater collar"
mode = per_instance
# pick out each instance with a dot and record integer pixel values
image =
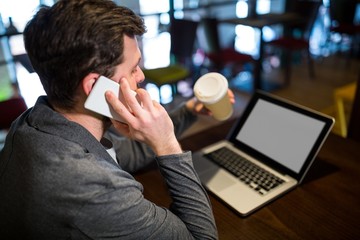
(44, 118)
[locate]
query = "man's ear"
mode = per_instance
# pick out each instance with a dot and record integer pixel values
(88, 82)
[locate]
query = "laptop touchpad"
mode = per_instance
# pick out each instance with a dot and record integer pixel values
(217, 180)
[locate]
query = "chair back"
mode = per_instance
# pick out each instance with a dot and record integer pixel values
(342, 11)
(182, 35)
(208, 35)
(309, 10)
(10, 109)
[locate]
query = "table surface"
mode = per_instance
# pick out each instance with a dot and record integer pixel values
(325, 206)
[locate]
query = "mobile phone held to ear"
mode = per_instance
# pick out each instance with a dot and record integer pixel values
(96, 100)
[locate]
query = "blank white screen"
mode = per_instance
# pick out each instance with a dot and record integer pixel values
(281, 134)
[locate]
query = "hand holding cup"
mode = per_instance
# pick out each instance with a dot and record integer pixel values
(212, 90)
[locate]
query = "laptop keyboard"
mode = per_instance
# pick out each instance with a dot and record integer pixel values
(249, 173)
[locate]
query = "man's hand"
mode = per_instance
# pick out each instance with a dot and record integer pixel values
(147, 121)
(197, 107)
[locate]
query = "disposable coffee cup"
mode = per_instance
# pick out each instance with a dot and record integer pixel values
(212, 90)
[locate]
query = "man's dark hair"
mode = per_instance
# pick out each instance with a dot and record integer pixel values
(73, 38)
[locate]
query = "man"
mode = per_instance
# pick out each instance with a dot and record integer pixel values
(64, 170)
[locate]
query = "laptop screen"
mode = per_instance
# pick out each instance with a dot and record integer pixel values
(286, 134)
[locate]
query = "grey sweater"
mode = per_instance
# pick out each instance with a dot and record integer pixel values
(58, 182)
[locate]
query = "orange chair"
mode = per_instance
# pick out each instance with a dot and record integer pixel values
(11, 109)
(344, 98)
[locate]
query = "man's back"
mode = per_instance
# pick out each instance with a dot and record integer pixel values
(59, 182)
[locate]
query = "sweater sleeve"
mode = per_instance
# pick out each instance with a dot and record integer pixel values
(182, 119)
(190, 200)
(123, 212)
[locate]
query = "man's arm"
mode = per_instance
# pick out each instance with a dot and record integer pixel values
(118, 208)
(190, 200)
(183, 118)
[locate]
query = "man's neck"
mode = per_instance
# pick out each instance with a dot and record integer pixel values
(96, 126)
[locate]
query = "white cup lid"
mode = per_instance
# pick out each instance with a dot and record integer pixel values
(211, 87)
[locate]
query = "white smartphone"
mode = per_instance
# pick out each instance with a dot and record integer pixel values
(96, 100)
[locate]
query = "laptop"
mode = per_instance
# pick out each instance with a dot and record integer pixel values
(266, 154)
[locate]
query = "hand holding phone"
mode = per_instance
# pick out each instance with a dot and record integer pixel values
(96, 100)
(149, 123)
